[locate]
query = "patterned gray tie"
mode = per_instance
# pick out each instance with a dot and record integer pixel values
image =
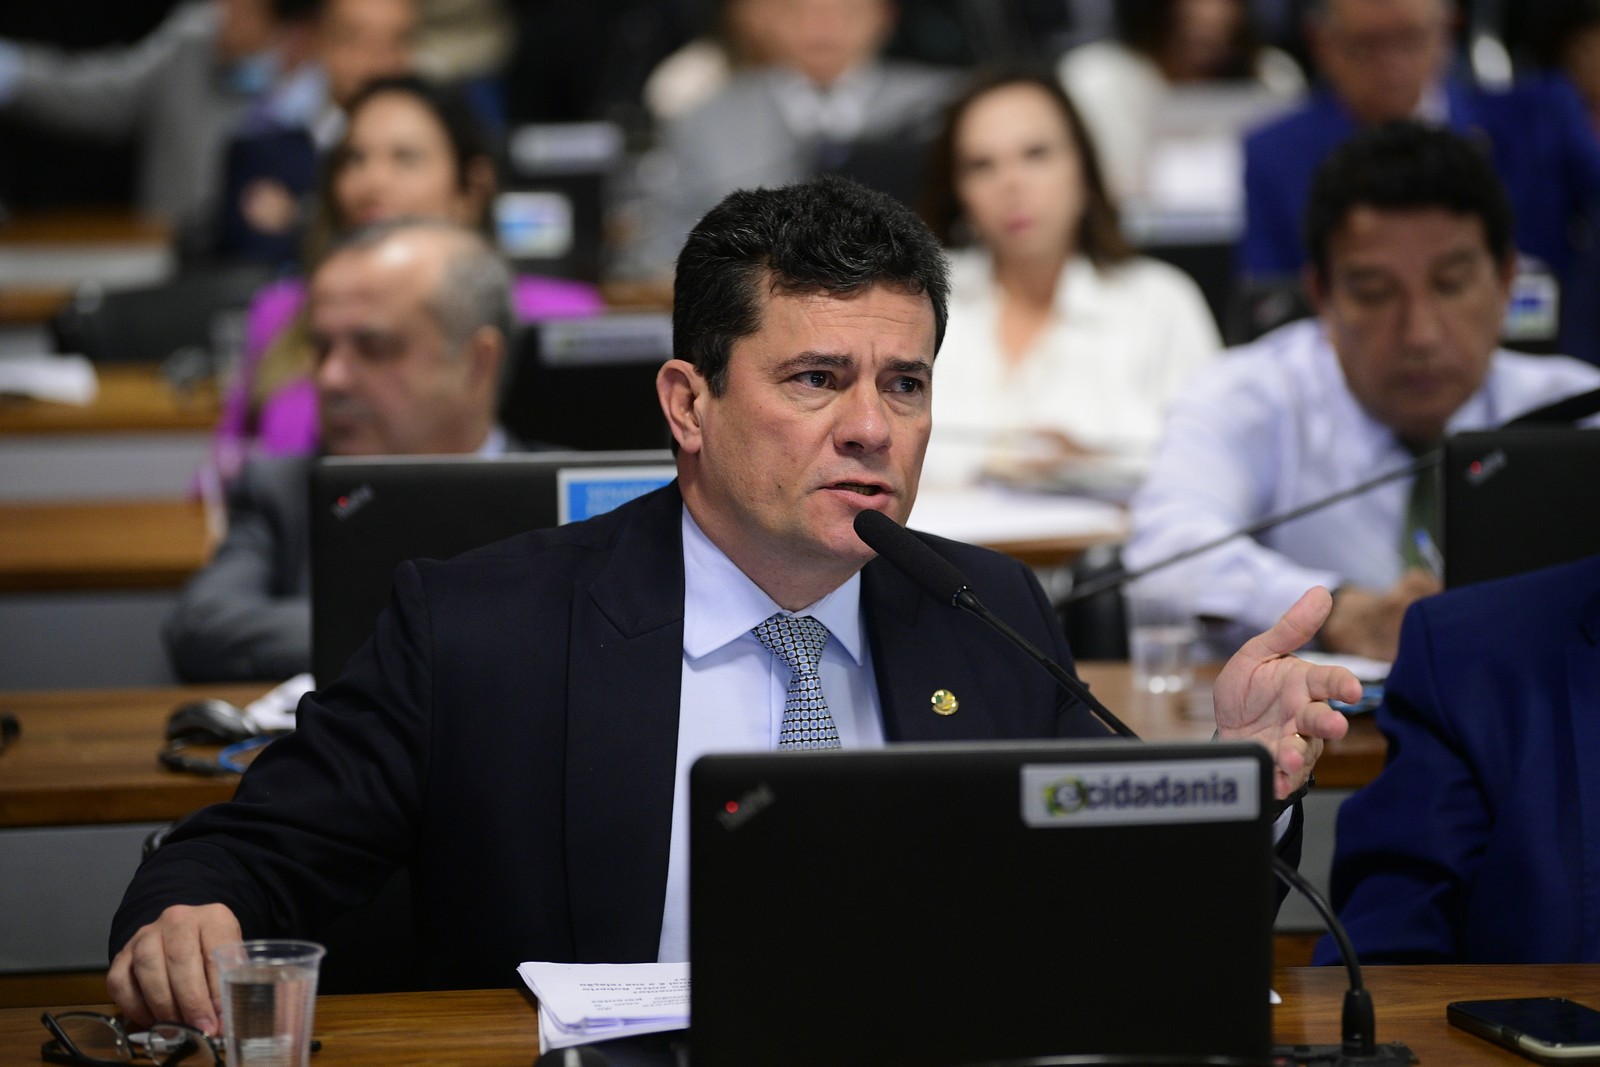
(798, 642)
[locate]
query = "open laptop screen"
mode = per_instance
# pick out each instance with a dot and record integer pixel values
(959, 904)
(1517, 500)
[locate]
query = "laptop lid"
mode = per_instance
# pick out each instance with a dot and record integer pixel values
(1517, 500)
(370, 514)
(959, 904)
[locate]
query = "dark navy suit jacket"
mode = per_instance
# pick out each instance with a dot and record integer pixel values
(1480, 841)
(510, 733)
(1536, 134)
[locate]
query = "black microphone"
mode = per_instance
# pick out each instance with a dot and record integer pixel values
(1565, 411)
(944, 582)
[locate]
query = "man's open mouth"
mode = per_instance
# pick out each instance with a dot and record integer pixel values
(858, 487)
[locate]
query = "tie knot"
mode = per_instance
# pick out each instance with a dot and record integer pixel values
(795, 639)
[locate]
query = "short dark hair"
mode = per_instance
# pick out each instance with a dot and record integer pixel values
(1099, 233)
(296, 10)
(449, 108)
(828, 234)
(1406, 166)
(1147, 26)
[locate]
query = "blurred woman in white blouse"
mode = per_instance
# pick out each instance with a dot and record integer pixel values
(1164, 50)
(1062, 342)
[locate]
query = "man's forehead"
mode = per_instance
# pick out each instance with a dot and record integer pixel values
(1345, 13)
(393, 270)
(877, 300)
(1433, 233)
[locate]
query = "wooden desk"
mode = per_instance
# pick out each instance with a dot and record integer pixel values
(500, 1027)
(43, 255)
(90, 757)
(140, 544)
(133, 398)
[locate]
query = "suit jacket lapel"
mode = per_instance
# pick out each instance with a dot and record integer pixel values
(625, 665)
(919, 648)
(1582, 697)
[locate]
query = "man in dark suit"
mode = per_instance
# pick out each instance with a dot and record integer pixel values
(410, 322)
(1480, 841)
(519, 729)
(1385, 60)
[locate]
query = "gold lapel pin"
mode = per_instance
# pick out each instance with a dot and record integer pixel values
(944, 702)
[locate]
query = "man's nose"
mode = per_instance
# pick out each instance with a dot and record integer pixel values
(864, 422)
(334, 370)
(1424, 323)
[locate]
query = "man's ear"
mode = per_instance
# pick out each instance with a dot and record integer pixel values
(1315, 286)
(1507, 272)
(682, 391)
(486, 353)
(480, 186)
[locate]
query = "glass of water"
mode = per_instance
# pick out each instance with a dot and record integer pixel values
(1162, 631)
(269, 992)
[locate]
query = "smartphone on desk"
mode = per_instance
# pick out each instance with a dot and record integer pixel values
(1546, 1029)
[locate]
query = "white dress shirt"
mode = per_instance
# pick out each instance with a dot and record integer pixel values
(1273, 426)
(734, 689)
(1119, 346)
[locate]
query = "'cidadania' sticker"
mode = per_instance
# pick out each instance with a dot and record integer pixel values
(1101, 794)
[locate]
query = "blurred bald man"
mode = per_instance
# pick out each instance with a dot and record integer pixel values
(410, 324)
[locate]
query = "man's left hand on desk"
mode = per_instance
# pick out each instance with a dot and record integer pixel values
(1266, 694)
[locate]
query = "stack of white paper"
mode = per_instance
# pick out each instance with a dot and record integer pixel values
(583, 1002)
(62, 379)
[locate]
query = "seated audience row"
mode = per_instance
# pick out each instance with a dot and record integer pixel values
(410, 150)
(1411, 267)
(212, 71)
(1059, 335)
(408, 327)
(1386, 60)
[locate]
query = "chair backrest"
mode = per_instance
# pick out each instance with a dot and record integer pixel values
(1097, 626)
(149, 324)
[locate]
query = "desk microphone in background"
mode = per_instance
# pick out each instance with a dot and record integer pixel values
(9, 729)
(1566, 411)
(940, 578)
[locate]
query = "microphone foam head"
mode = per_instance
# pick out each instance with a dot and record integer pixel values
(902, 548)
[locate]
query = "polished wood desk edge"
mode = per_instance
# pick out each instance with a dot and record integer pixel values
(131, 398)
(101, 544)
(84, 225)
(88, 757)
(500, 1025)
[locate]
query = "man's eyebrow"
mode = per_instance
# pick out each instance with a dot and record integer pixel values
(1360, 272)
(1455, 258)
(910, 366)
(809, 360)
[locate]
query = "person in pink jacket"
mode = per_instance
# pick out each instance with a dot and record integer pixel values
(410, 149)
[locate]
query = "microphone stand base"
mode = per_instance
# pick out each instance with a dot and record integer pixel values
(1394, 1054)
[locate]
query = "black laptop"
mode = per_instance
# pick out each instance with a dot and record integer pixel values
(964, 904)
(1517, 500)
(369, 515)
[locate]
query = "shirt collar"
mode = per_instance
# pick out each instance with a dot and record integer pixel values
(722, 604)
(494, 444)
(1433, 107)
